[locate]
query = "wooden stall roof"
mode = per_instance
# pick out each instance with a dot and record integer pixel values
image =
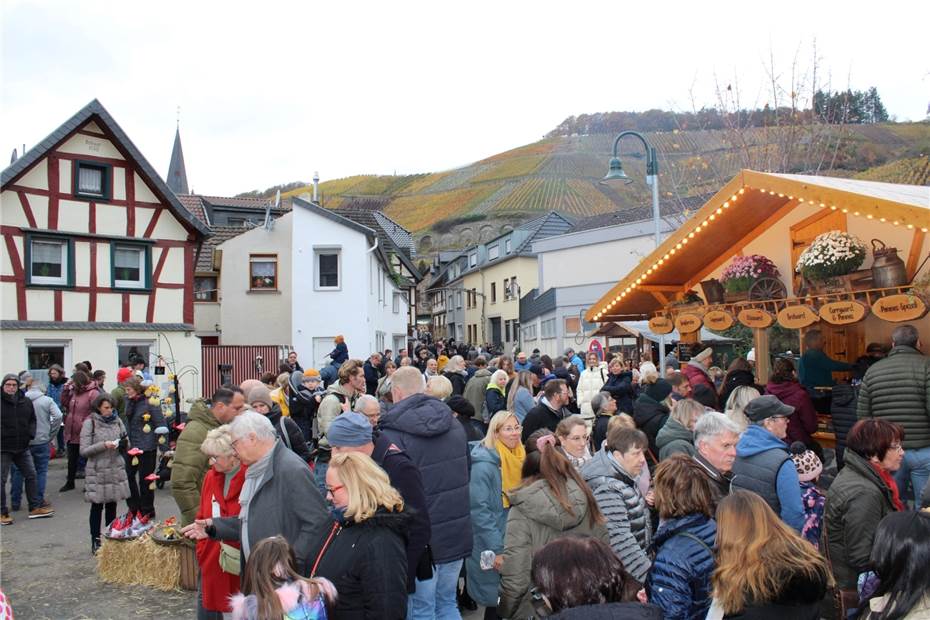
(743, 209)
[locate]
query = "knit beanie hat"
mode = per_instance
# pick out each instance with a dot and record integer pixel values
(122, 374)
(806, 462)
(260, 393)
(348, 430)
(659, 390)
(441, 363)
(311, 373)
(11, 377)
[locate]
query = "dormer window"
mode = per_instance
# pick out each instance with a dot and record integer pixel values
(507, 246)
(473, 259)
(493, 252)
(92, 180)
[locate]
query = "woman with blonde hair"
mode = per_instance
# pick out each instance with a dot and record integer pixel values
(736, 405)
(764, 568)
(282, 393)
(520, 395)
(454, 371)
(439, 387)
(495, 398)
(677, 436)
(364, 554)
(496, 465)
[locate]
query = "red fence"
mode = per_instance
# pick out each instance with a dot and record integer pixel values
(235, 364)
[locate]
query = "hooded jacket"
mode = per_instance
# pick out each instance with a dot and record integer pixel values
(489, 522)
(48, 416)
(623, 505)
(330, 407)
(476, 387)
(857, 500)
(621, 388)
(367, 563)
(697, 375)
(650, 416)
(494, 399)
(679, 581)
(590, 383)
(536, 518)
(105, 477)
(78, 404)
(17, 421)
(301, 402)
(674, 439)
(783, 491)
(457, 379)
(190, 464)
(424, 428)
(803, 422)
(897, 389)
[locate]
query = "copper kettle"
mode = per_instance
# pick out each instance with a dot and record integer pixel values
(888, 270)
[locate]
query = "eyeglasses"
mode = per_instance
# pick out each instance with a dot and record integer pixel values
(332, 490)
(512, 429)
(897, 447)
(578, 437)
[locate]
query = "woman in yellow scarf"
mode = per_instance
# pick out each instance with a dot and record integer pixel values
(496, 465)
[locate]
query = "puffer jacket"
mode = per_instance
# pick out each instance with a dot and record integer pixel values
(620, 386)
(697, 375)
(424, 428)
(843, 414)
(17, 422)
(674, 439)
(650, 416)
(78, 403)
(488, 521)
(756, 452)
(105, 474)
(897, 389)
(48, 416)
(136, 409)
(190, 464)
(367, 562)
(628, 521)
(589, 383)
(803, 422)
(856, 501)
(536, 518)
(679, 581)
(475, 388)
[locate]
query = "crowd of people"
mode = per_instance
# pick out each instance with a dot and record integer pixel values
(417, 486)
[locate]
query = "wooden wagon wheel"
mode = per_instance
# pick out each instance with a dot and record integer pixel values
(767, 288)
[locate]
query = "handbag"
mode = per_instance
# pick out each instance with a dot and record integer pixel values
(230, 559)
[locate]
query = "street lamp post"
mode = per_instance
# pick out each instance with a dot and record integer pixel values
(615, 172)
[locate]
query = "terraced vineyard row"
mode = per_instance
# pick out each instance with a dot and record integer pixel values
(419, 212)
(912, 171)
(576, 197)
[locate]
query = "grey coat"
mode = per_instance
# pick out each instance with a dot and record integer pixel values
(105, 474)
(48, 417)
(619, 498)
(286, 503)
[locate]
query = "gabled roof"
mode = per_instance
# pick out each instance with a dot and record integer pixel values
(388, 232)
(95, 111)
(195, 205)
(552, 223)
(333, 216)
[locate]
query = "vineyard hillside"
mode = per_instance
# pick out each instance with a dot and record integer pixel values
(458, 207)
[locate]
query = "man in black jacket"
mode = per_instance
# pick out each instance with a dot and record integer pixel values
(550, 410)
(17, 429)
(372, 374)
(352, 432)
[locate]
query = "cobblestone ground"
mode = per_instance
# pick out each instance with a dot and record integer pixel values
(47, 571)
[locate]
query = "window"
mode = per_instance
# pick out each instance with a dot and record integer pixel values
(508, 246)
(506, 290)
(327, 270)
(572, 324)
(205, 288)
(458, 299)
(263, 272)
(129, 266)
(529, 332)
(40, 355)
(493, 292)
(511, 288)
(92, 180)
(236, 221)
(473, 259)
(132, 349)
(548, 328)
(395, 303)
(494, 251)
(513, 329)
(50, 261)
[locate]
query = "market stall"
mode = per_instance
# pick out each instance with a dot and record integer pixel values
(845, 256)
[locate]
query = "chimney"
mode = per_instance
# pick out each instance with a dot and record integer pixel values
(316, 187)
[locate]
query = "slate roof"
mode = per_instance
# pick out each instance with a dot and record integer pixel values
(95, 111)
(391, 235)
(637, 214)
(220, 234)
(550, 224)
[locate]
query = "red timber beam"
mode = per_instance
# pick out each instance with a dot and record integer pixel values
(189, 283)
(27, 210)
(53, 189)
(150, 311)
(18, 277)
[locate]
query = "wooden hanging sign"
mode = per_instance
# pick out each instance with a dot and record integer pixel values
(898, 308)
(687, 323)
(755, 318)
(843, 312)
(661, 325)
(718, 320)
(798, 316)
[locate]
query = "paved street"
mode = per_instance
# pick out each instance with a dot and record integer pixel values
(47, 571)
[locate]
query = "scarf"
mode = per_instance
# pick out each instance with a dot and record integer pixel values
(511, 467)
(253, 477)
(885, 475)
(578, 461)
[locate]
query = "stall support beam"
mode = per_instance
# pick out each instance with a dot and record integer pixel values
(760, 340)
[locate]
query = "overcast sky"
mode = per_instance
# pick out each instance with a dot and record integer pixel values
(271, 91)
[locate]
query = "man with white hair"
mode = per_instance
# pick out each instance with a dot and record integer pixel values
(278, 497)
(370, 407)
(424, 428)
(715, 439)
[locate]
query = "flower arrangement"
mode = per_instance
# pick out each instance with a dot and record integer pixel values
(744, 270)
(831, 254)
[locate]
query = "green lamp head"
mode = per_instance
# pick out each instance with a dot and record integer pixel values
(616, 171)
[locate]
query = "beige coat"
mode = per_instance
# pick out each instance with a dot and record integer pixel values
(105, 475)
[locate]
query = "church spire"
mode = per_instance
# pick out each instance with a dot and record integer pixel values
(177, 173)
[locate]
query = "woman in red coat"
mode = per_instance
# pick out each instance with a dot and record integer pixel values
(219, 497)
(784, 385)
(78, 403)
